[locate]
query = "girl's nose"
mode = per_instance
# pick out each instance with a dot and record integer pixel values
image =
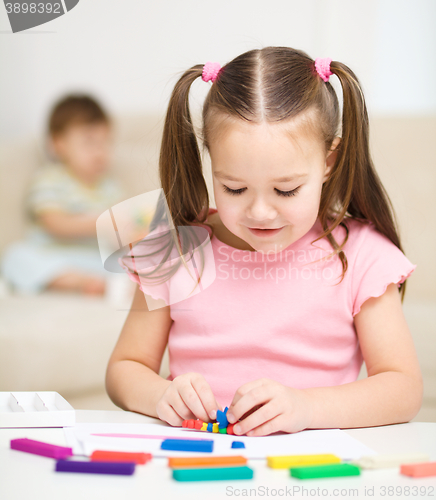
(261, 211)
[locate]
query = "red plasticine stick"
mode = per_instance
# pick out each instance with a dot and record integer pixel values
(424, 469)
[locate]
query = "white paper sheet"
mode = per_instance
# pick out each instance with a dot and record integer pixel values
(83, 440)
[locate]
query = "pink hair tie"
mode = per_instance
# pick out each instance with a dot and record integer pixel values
(322, 67)
(210, 71)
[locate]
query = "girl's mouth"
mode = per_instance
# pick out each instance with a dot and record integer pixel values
(265, 233)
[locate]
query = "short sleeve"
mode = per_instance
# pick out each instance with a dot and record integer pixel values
(377, 263)
(46, 192)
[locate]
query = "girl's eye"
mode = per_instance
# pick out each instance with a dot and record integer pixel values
(289, 193)
(232, 191)
(281, 193)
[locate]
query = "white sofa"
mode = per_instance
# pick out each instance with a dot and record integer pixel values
(62, 342)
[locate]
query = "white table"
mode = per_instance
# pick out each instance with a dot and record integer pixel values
(24, 476)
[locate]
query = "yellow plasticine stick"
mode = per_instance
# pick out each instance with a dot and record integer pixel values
(286, 461)
(215, 427)
(204, 427)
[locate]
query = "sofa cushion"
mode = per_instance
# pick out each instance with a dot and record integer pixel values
(56, 342)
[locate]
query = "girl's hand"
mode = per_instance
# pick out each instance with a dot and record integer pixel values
(268, 407)
(188, 396)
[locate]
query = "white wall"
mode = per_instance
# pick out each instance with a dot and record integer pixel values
(130, 53)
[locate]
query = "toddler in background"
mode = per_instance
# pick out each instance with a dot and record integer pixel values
(64, 200)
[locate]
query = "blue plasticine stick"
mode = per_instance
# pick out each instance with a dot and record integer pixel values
(205, 445)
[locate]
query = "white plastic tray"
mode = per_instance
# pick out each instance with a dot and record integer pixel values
(35, 409)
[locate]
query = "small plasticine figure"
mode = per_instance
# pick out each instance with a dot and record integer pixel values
(221, 417)
(222, 425)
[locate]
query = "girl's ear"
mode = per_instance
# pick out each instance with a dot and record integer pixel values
(331, 157)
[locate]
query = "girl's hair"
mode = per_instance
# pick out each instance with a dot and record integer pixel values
(277, 84)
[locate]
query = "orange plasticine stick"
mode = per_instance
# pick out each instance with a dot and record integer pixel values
(120, 456)
(199, 461)
(424, 469)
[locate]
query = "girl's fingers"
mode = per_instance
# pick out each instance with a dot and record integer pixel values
(181, 408)
(205, 394)
(256, 397)
(240, 393)
(172, 417)
(255, 408)
(258, 418)
(269, 427)
(193, 402)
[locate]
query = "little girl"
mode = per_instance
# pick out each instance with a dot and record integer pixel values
(310, 272)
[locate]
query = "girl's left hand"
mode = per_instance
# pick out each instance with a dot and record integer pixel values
(268, 407)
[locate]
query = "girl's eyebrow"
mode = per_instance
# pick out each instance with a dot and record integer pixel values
(280, 179)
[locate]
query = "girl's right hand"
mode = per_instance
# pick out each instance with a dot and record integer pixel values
(188, 396)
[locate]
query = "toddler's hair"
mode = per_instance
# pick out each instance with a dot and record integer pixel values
(272, 85)
(75, 109)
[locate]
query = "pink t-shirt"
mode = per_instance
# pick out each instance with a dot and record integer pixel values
(280, 316)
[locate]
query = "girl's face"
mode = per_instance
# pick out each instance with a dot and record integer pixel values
(269, 176)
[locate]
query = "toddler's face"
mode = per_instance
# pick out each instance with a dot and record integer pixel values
(85, 149)
(250, 159)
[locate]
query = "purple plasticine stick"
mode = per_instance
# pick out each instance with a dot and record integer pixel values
(41, 448)
(126, 468)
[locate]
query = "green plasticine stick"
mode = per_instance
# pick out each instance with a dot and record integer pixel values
(215, 473)
(330, 470)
